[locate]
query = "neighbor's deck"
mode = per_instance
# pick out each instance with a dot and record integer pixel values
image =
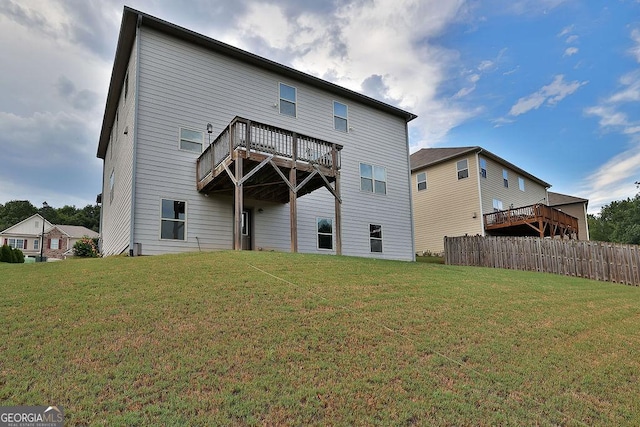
(534, 220)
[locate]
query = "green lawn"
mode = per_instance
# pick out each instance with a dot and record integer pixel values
(255, 338)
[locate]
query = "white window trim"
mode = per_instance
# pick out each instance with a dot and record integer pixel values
(460, 170)
(57, 240)
(373, 179)
(381, 238)
(180, 138)
(325, 234)
(505, 178)
(346, 119)
(112, 184)
(499, 202)
(426, 186)
(483, 170)
(186, 217)
(521, 183)
(295, 103)
(36, 244)
(15, 243)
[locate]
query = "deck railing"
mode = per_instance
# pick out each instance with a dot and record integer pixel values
(258, 137)
(530, 213)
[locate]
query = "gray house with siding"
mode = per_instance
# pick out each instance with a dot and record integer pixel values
(206, 146)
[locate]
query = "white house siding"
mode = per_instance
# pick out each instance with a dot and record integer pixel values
(116, 213)
(448, 207)
(492, 187)
(183, 85)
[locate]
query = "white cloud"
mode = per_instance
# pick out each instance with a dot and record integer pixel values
(571, 39)
(566, 30)
(635, 51)
(552, 93)
(570, 51)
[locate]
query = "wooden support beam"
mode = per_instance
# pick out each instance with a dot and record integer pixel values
(337, 200)
(238, 206)
(293, 196)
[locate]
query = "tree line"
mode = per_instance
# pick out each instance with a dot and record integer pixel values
(618, 222)
(15, 211)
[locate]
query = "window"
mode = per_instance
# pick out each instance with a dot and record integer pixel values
(173, 220)
(463, 169)
(421, 178)
(112, 181)
(287, 100)
(37, 225)
(191, 140)
(54, 243)
(483, 168)
(36, 244)
(340, 116)
(497, 205)
(375, 237)
(505, 178)
(126, 86)
(373, 178)
(17, 243)
(521, 183)
(325, 233)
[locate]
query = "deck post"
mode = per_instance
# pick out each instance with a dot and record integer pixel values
(238, 202)
(337, 203)
(293, 197)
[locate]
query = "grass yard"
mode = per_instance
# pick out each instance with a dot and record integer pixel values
(255, 338)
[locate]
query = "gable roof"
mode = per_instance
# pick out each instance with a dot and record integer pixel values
(131, 19)
(557, 199)
(433, 156)
(47, 224)
(76, 231)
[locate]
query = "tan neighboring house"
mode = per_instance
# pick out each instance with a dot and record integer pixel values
(28, 234)
(471, 191)
(575, 206)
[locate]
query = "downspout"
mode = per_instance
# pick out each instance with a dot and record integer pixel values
(135, 140)
(481, 216)
(413, 231)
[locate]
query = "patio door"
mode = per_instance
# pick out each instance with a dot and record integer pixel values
(247, 230)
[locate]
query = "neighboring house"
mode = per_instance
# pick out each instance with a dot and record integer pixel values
(28, 234)
(574, 206)
(470, 191)
(206, 146)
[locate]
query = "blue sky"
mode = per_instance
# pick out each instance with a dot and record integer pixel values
(552, 86)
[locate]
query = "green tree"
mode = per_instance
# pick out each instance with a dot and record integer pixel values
(5, 253)
(618, 222)
(15, 211)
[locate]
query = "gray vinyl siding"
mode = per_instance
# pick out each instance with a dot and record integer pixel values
(183, 85)
(492, 187)
(116, 214)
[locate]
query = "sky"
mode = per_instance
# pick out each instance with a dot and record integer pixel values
(553, 86)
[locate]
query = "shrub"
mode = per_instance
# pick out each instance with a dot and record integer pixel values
(5, 253)
(18, 256)
(86, 247)
(8, 254)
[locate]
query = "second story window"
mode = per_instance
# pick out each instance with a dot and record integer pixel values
(112, 182)
(497, 205)
(521, 183)
(463, 169)
(340, 115)
(505, 178)
(373, 178)
(483, 168)
(191, 140)
(421, 179)
(288, 100)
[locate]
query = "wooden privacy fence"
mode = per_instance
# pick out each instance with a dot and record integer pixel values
(610, 262)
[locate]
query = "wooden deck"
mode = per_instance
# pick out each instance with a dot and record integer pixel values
(534, 220)
(268, 154)
(263, 162)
